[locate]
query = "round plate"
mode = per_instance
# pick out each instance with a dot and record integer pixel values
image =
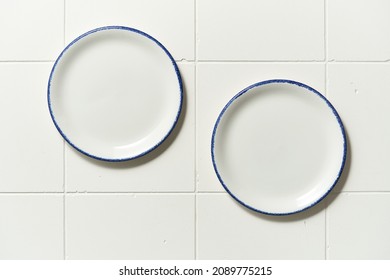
(278, 147)
(115, 93)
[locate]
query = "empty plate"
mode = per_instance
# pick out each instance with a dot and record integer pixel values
(115, 93)
(278, 147)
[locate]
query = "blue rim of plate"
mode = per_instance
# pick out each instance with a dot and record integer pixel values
(104, 28)
(279, 81)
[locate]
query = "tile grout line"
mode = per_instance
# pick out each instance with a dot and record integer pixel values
(362, 192)
(327, 96)
(172, 193)
(326, 47)
(64, 39)
(64, 157)
(326, 232)
(259, 61)
(195, 131)
(65, 192)
(128, 193)
(28, 61)
(294, 61)
(333, 61)
(103, 193)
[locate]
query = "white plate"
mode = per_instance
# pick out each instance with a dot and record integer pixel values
(115, 93)
(278, 147)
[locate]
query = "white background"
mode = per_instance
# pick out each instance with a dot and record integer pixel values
(57, 204)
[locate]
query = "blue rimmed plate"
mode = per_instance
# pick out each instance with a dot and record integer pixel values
(278, 147)
(115, 93)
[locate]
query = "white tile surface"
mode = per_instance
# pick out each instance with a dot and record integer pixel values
(286, 36)
(359, 227)
(260, 30)
(31, 227)
(218, 83)
(31, 30)
(228, 231)
(359, 30)
(31, 149)
(130, 226)
(169, 168)
(360, 93)
(171, 22)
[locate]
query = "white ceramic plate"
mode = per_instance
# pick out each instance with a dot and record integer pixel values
(115, 93)
(278, 147)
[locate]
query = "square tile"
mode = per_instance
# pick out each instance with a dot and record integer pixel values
(227, 230)
(31, 30)
(260, 30)
(169, 168)
(141, 226)
(359, 227)
(360, 93)
(31, 227)
(171, 22)
(218, 83)
(32, 149)
(359, 30)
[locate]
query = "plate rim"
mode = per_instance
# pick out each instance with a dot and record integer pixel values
(310, 89)
(129, 29)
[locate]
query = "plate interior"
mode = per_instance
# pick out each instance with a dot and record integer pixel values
(115, 93)
(278, 148)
